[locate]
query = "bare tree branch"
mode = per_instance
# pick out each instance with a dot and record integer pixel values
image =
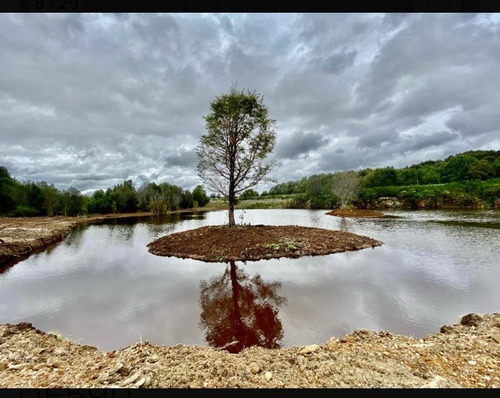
(346, 186)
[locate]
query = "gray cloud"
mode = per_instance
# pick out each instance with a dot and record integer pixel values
(474, 123)
(92, 99)
(183, 157)
(418, 142)
(375, 140)
(336, 63)
(298, 143)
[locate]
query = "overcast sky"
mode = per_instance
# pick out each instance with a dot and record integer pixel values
(89, 100)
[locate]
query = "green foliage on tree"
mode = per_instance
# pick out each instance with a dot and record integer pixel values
(381, 177)
(249, 194)
(455, 168)
(7, 186)
(52, 198)
(419, 185)
(428, 175)
(124, 196)
(475, 175)
(407, 176)
(159, 199)
(186, 200)
(232, 155)
(72, 202)
(99, 202)
(319, 192)
(200, 196)
(146, 195)
(290, 187)
(481, 170)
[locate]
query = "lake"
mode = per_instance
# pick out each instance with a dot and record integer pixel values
(101, 286)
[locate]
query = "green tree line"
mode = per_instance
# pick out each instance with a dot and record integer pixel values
(42, 199)
(469, 179)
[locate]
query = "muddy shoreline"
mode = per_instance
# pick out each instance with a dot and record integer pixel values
(21, 237)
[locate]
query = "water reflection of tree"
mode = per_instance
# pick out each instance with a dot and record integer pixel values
(239, 311)
(123, 228)
(74, 238)
(314, 217)
(165, 219)
(344, 225)
(162, 224)
(125, 231)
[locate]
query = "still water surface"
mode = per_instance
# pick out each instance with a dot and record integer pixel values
(101, 286)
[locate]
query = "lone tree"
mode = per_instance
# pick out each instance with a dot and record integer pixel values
(346, 186)
(232, 155)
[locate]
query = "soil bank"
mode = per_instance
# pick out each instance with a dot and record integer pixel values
(466, 354)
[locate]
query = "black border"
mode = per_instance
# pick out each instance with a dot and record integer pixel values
(128, 6)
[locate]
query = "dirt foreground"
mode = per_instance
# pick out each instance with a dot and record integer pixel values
(461, 355)
(466, 354)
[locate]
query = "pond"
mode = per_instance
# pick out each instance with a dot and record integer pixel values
(101, 286)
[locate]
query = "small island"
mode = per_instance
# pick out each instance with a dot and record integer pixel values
(352, 212)
(231, 159)
(257, 242)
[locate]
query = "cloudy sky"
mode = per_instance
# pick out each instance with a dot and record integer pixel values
(89, 100)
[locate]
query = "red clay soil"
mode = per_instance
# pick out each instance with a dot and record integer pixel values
(22, 236)
(257, 242)
(356, 213)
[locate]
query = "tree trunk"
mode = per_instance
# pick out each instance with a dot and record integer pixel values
(231, 208)
(231, 195)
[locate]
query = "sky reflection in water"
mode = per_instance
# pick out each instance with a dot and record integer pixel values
(102, 287)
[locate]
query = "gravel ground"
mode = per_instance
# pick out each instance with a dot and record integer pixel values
(465, 355)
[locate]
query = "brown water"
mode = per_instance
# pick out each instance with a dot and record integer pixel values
(101, 286)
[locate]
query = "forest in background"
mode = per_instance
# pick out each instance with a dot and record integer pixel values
(21, 199)
(467, 180)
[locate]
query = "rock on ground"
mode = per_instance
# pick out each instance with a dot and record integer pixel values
(465, 355)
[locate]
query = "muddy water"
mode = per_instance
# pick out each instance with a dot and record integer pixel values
(101, 287)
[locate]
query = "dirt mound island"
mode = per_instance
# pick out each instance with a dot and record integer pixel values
(257, 242)
(355, 213)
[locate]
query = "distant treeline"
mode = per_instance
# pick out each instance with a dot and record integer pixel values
(470, 179)
(43, 199)
(467, 180)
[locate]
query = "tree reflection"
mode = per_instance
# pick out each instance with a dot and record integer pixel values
(165, 219)
(344, 226)
(74, 238)
(239, 311)
(162, 224)
(123, 228)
